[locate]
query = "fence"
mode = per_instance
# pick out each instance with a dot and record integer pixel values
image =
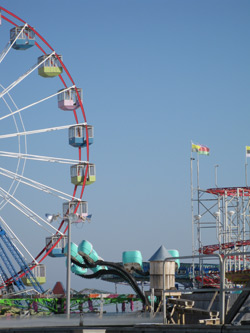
(222, 290)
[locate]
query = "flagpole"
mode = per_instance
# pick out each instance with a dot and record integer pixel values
(246, 167)
(192, 209)
(198, 171)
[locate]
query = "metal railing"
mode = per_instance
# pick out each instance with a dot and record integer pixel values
(222, 290)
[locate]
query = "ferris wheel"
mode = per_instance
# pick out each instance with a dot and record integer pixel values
(39, 104)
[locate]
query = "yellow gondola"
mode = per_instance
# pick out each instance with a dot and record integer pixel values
(77, 173)
(51, 67)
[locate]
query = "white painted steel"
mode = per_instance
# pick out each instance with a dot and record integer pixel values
(44, 130)
(33, 104)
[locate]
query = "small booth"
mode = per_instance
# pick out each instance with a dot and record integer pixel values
(68, 99)
(77, 173)
(60, 242)
(78, 135)
(39, 273)
(79, 208)
(25, 40)
(50, 67)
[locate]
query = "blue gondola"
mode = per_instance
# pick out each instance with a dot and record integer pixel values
(78, 137)
(24, 38)
(57, 251)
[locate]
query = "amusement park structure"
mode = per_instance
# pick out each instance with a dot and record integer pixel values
(224, 215)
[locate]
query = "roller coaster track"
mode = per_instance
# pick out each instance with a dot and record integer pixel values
(209, 249)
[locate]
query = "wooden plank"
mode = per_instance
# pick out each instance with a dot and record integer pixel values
(181, 302)
(211, 314)
(210, 321)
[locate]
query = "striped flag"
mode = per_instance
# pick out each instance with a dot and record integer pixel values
(247, 151)
(204, 150)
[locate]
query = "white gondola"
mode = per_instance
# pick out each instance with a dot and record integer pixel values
(76, 210)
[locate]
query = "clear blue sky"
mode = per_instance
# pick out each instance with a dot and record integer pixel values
(156, 74)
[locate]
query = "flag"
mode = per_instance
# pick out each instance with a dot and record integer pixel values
(204, 150)
(247, 151)
(201, 149)
(195, 148)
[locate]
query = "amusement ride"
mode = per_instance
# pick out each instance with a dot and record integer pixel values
(21, 267)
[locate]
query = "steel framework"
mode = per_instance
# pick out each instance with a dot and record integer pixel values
(221, 222)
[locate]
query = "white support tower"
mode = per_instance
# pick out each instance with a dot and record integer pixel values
(221, 224)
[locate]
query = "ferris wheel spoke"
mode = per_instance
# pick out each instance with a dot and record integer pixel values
(40, 158)
(19, 166)
(14, 119)
(5, 51)
(9, 45)
(35, 103)
(37, 185)
(43, 130)
(25, 210)
(22, 77)
(25, 213)
(14, 237)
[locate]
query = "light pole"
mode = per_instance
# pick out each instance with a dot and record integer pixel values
(215, 170)
(70, 218)
(229, 238)
(68, 277)
(197, 219)
(218, 227)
